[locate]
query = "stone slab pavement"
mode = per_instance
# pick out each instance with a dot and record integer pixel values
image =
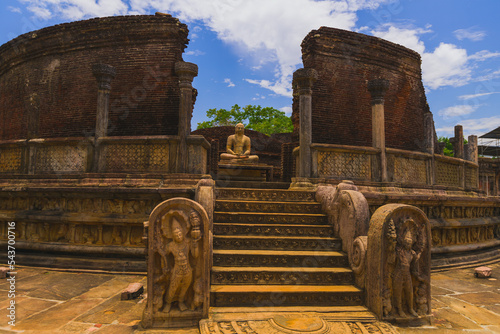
(56, 302)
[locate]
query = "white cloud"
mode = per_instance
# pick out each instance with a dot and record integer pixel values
(477, 126)
(407, 37)
(446, 66)
(14, 9)
(229, 82)
(194, 53)
(287, 110)
(484, 55)
(470, 33)
(75, 9)
(459, 110)
(473, 96)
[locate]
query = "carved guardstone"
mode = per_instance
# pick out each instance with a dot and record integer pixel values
(178, 265)
(398, 265)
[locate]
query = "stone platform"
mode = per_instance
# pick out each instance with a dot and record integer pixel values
(58, 302)
(245, 172)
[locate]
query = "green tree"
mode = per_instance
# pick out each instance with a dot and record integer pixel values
(448, 148)
(267, 120)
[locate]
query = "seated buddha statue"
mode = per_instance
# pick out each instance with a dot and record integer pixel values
(238, 148)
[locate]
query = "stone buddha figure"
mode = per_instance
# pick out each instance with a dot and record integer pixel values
(238, 148)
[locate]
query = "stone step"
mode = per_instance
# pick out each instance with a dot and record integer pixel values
(281, 276)
(270, 218)
(333, 313)
(285, 295)
(276, 242)
(257, 258)
(251, 184)
(279, 195)
(273, 230)
(263, 206)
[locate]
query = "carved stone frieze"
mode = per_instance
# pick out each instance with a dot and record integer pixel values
(73, 233)
(451, 236)
(242, 217)
(453, 211)
(398, 264)
(178, 264)
(253, 206)
(273, 230)
(277, 243)
(283, 277)
(279, 260)
(79, 205)
(265, 195)
(299, 298)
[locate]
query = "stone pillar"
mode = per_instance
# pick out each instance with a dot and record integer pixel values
(304, 78)
(377, 89)
(429, 132)
(471, 151)
(104, 75)
(186, 73)
(458, 142)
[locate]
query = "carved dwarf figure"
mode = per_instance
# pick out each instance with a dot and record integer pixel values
(181, 275)
(238, 147)
(402, 281)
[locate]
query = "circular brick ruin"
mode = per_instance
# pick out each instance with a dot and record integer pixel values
(48, 89)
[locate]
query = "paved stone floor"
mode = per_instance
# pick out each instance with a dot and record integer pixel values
(49, 301)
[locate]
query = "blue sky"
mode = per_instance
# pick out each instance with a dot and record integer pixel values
(247, 50)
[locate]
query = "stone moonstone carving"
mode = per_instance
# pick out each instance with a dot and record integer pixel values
(178, 264)
(398, 264)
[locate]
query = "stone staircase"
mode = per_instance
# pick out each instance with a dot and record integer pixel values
(274, 249)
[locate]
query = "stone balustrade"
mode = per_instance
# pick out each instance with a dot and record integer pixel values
(361, 163)
(145, 154)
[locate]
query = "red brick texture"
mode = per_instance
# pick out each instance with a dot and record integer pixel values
(47, 88)
(341, 103)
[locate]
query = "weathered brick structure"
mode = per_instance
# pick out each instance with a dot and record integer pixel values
(341, 104)
(48, 90)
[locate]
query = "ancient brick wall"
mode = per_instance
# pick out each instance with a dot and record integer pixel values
(341, 103)
(47, 88)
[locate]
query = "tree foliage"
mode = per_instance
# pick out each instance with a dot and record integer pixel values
(267, 120)
(448, 148)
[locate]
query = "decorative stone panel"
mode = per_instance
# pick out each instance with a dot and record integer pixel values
(11, 159)
(447, 174)
(61, 159)
(408, 170)
(136, 157)
(344, 165)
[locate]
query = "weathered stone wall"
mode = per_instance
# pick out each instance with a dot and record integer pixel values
(47, 88)
(341, 104)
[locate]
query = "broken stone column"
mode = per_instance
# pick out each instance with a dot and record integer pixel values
(104, 75)
(377, 89)
(471, 151)
(186, 73)
(458, 142)
(304, 78)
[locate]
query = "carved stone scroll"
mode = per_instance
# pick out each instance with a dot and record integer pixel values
(349, 213)
(398, 264)
(178, 265)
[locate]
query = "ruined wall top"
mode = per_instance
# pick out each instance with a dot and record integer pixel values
(46, 77)
(345, 62)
